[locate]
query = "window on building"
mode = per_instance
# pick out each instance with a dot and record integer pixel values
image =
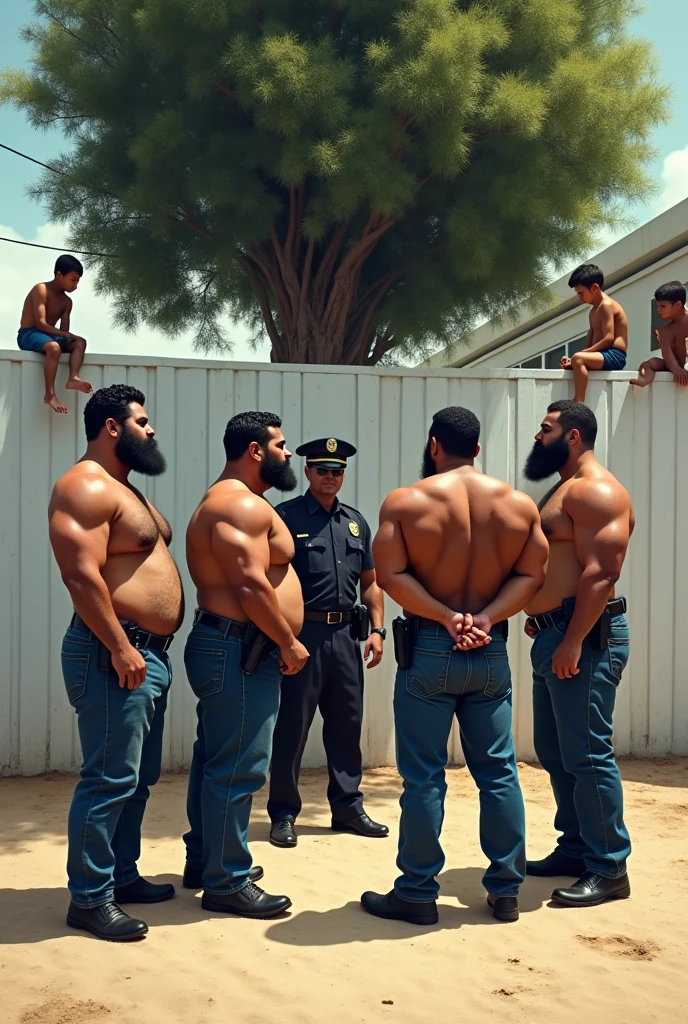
(551, 359)
(554, 357)
(531, 364)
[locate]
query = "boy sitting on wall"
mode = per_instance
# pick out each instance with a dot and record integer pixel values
(672, 338)
(607, 341)
(45, 304)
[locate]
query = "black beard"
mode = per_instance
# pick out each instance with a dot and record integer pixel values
(546, 460)
(142, 456)
(277, 473)
(428, 467)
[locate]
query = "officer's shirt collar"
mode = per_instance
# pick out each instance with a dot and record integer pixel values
(313, 505)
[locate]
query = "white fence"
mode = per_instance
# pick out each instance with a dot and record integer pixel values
(386, 413)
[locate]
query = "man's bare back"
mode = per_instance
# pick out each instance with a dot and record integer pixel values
(90, 511)
(597, 503)
(221, 516)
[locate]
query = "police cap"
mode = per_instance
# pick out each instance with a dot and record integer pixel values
(328, 452)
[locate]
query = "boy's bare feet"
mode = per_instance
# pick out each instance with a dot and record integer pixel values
(75, 383)
(641, 382)
(54, 402)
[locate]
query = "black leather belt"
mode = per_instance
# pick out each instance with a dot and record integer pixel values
(558, 616)
(331, 618)
(498, 629)
(137, 637)
(230, 627)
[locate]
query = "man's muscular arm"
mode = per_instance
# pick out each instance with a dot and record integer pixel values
(39, 298)
(80, 514)
(391, 567)
(240, 543)
(528, 573)
(600, 515)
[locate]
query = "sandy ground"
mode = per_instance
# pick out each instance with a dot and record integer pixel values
(330, 962)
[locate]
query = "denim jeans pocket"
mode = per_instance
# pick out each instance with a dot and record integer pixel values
(75, 673)
(498, 673)
(205, 668)
(618, 656)
(427, 675)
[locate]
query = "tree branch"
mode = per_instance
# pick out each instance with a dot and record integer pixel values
(223, 89)
(322, 278)
(262, 296)
(191, 226)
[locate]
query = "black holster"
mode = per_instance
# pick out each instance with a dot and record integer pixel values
(360, 622)
(598, 637)
(404, 633)
(255, 648)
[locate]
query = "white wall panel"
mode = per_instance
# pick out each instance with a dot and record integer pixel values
(386, 413)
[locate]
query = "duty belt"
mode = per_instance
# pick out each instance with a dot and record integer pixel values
(137, 637)
(558, 616)
(230, 627)
(331, 618)
(498, 629)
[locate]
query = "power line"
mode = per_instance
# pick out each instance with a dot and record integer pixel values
(36, 245)
(32, 159)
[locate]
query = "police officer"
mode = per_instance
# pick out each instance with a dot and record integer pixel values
(333, 552)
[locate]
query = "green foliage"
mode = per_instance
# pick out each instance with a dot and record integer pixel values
(361, 177)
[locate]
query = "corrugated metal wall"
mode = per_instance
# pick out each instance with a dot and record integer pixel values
(386, 413)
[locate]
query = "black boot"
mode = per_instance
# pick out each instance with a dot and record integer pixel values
(504, 908)
(193, 877)
(249, 901)
(106, 921)
(141, 891)
(362, 826)
(283, 833)
(557, 863)
(391, 906)
(592, 889)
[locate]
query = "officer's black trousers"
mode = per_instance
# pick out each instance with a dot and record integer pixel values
(331, 680)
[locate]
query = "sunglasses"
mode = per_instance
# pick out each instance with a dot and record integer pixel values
(336, 473)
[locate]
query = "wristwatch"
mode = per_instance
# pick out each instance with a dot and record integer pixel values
(381, 630)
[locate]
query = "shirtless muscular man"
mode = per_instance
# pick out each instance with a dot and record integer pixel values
(460, 552)
(111, 547)
(239, 552)
(580, 649)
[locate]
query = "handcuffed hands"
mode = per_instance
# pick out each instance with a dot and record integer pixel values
(469, 631)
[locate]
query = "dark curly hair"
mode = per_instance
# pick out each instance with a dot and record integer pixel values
(109, 403)
(246, 427)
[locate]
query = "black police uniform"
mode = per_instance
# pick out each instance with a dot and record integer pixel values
(332, 550)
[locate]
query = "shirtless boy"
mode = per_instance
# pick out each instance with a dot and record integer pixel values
(111, 546)
(239, 552)
(45, 304)
(579, 652)
(461, 552)
(672, 338)
(607, 341)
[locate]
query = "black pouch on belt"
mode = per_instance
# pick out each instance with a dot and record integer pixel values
(598, 637)
(255, 647)
(104, 658)
(360, 622)
(404, 632)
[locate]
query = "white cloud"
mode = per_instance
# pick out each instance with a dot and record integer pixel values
(675, 180)
(21, 267)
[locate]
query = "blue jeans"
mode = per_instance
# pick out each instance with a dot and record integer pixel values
(121, 744)
(572, 721)
(236, 720)
(476, 687)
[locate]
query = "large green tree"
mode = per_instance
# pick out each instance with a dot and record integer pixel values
(357, 178)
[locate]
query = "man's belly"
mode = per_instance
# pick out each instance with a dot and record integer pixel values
(146, 590)
(563, 573)
(221, 601)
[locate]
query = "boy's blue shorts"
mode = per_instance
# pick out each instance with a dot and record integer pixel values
(614, 359)
(30, 339)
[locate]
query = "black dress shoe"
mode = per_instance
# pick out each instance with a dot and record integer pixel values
(249, 901)
(362, 826)
(106, 921)
(592, 889)
(504, 908)
(391, 906)
(557, 863)
(193, 877)
(283, 833)
(141, 891)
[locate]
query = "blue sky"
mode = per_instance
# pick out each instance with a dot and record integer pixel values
(664, 23)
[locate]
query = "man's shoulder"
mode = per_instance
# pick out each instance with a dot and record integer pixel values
(599, 491)
(85, 487)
